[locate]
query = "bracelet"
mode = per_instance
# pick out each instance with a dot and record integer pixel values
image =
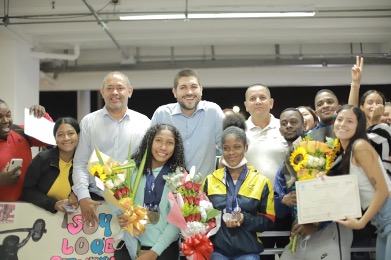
(354, 85)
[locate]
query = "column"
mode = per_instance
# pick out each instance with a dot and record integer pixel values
(83, 103)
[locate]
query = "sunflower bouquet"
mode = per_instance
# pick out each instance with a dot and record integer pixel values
(311, 157)
(114, 179)
(308, 159)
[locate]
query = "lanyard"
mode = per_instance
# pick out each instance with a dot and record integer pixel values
(154, 188)
(233, 189)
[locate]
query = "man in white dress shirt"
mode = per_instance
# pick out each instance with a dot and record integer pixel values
(111, 130)
(267, 148)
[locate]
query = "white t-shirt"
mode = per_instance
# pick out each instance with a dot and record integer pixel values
(366, 189)
(267, 148)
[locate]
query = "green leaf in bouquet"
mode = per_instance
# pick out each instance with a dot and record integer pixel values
(195, 209)
(99, 157)
(187, 209)
(129, 173)
(330, 141)
(126, 166)
(211, 214)
(139, 173)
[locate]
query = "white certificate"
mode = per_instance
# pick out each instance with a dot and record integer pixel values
(327, 200)
(39, 128)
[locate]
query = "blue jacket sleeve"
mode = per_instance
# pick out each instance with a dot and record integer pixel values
(280, 190)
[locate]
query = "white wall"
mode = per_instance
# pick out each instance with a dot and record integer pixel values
(20, 75)
(229, 77)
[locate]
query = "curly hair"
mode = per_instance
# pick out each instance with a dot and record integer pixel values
(234, 119)
(234, 124)
(178, 157)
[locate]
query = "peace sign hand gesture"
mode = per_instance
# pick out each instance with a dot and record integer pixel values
(357, 71)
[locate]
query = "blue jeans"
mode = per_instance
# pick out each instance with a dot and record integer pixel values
(382, 221)
(218, 256)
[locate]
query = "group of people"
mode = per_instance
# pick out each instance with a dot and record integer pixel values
(251, 186)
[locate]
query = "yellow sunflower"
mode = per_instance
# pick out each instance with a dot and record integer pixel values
(103, 177)
(329, 162)
(298, 158)
(306, 177)
(337, 145)
(97, 170)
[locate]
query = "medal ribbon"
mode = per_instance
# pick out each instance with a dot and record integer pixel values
(233, 189)
(154, 188)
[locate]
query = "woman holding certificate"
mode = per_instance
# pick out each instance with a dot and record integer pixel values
(243, 195)
(164, 147)
(361, 159)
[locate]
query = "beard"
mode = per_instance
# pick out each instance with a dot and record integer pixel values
(184, 106)
(291, 139)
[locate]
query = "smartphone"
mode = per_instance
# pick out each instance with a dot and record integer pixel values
(14, 163)
(69, 209)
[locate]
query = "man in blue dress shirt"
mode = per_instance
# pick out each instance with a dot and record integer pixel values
(199, 122)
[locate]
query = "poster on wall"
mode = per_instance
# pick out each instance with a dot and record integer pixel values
(29, 232)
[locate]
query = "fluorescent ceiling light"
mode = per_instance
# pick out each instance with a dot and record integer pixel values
(214, 16)
(153, 17)
(248, 15)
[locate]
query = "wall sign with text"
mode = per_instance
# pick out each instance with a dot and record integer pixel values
(29, 232)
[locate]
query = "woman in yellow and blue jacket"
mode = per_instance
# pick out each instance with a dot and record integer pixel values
(245, 198)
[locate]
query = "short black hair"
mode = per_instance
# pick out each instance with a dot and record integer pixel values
(66, 120)
(327, 91)
(295, 110)
(185, 73)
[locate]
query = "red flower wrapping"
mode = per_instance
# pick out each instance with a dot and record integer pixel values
(199, 246)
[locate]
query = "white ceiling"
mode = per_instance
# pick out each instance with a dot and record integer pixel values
(338, 31)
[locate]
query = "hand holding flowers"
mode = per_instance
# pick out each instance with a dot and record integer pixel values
(119, 194)
(116, 179)
(311, 159)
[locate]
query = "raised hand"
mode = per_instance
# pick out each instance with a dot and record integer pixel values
(357, 71)
(376, 114)
(37, 110)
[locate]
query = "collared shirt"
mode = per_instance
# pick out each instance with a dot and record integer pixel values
(201, 132)
(111, 137)
(320, 125)
(267, 147)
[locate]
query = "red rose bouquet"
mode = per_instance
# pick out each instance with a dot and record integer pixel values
(193, 213)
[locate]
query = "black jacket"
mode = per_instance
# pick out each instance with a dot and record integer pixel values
(40, 176)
